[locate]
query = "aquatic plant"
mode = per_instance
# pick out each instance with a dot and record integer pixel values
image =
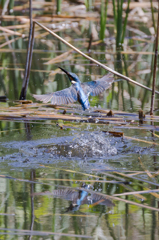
(118, 21)
(88, 4)
(58, 6)
(103, 18)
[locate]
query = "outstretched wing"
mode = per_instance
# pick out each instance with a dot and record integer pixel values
(96, 87)
(65, 96)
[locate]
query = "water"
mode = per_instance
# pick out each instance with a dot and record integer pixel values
(53, 159)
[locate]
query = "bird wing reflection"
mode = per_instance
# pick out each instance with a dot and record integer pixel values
(82, 197)
(96, 87)
(65, 96)
(95, 198)
(78, 198)
(67, 194)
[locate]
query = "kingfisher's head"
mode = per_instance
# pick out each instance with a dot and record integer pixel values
(72, 76)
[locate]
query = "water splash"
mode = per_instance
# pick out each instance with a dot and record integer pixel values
(94, 144)
(84, 146)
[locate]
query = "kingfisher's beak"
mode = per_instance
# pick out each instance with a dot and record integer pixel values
(64, 70)
(70, 77)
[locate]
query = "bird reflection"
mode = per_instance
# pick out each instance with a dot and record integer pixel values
(79, 198)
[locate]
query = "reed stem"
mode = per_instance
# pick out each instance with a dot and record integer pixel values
(28, 63)
(58, 4)
(114, 11)
(103, 19)
(153, 18)
(155, 66)
(125, 22)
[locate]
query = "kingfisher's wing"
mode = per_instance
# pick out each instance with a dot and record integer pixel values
(65, 96)
(96, 87)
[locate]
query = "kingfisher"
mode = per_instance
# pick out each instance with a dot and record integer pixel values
(77, 91)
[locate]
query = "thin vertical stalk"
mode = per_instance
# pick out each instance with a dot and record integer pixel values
(29, 61)
(27, 131)
(26, 76)
(118, 25)
(125, 22)
(103, 18)
(155, 66)
(129, 87)
(148, 81)
(32, 178)
(58, 4)
(121, 19)
(119, 22)
(153, 18)
(11, 5)
(114, 11)
(88, 4)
